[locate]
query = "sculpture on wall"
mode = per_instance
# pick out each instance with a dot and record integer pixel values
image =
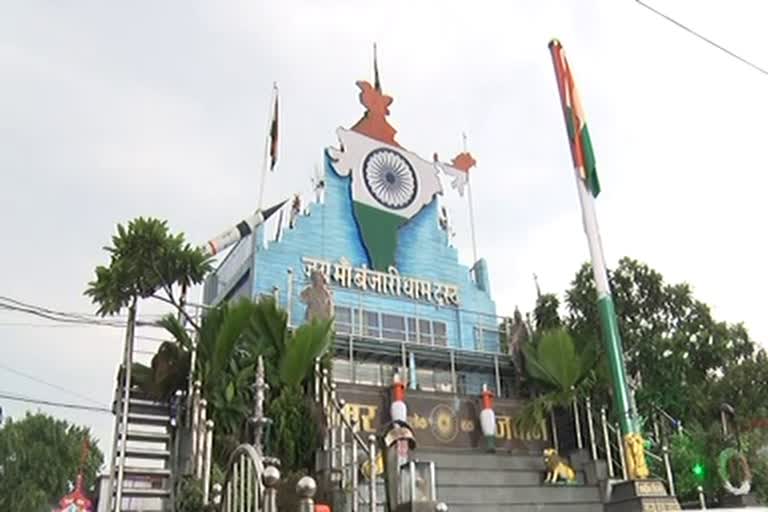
(318, 298)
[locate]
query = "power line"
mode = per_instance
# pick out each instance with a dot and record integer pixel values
(703, 38)
(20, 398)
(41, 381)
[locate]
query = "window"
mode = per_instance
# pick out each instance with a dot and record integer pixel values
(343, 320)
(412, 334)
(393, 327)
(368, 373)
(425, 380)
(441, 338)
(342, 370)
(387, 374)
(371, 323)
(486, 340)
(425, 332)
(443, 382)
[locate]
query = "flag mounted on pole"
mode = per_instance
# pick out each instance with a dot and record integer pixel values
(273, 133)
(576, 121)
(588, 188)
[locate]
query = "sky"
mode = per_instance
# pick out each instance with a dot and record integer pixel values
(111, 110)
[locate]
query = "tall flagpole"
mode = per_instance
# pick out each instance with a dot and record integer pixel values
(471, 208)
(270, 119)
(607, 310)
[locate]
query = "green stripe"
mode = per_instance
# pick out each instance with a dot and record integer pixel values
(589, 162)
(378, 232)
(613, 346)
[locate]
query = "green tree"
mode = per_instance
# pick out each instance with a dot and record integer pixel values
(546, 314)
(146, 260)
(673, 347)
(39, 461)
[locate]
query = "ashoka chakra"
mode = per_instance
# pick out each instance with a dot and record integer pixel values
(390, 178)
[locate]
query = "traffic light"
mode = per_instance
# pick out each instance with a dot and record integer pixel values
(699, 471)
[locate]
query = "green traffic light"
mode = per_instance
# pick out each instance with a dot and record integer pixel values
(698, 470)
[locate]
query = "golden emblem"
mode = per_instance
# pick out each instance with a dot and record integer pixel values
(444, 424)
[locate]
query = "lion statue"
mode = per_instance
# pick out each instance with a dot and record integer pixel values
(635, 448)
(557, 467)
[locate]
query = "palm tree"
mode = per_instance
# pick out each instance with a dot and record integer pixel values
(563, 367)
(230, 340)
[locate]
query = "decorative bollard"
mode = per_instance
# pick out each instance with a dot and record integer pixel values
(270, 478)
(216, 494)
(306, 489)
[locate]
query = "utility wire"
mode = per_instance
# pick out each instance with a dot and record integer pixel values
(41, 381)
(703, 38)
(20, 398)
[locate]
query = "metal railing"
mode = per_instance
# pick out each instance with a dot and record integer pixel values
(605, 442)
(201, 429)
(342, 443)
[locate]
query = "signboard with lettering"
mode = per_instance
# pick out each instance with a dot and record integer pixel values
(391, 282)
(441, 420)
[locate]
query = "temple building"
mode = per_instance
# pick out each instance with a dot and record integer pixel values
(404, 303)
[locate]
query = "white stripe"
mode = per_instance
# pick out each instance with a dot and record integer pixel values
(589, 218)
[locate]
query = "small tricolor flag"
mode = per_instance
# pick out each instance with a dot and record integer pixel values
(575, 120)
(273, 135)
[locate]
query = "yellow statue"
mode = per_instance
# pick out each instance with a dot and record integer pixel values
(635, 449)
(557, 467)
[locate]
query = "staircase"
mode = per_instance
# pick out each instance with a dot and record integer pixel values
(146, 482)
(482, 482)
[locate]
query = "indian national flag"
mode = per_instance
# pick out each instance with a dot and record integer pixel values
(576, 121)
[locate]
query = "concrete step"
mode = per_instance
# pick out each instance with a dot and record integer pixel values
(146, 406)
(148, 419)
(138, 492)
(503, 507)
(480, 461)
(519, 495)
(146, 453)
(468, 477)
(136, 473)
(148, 437)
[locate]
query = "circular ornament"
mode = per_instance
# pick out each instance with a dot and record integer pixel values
(723, 460)
(444, 424)
(390, 178)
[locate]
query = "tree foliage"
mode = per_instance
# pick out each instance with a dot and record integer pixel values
(547, 314)
(145, 259)
(230, 340)
(673, 347)
(682, 361)
(39, 461)
(559, 365)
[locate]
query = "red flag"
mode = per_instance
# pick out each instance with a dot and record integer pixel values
(273, 137)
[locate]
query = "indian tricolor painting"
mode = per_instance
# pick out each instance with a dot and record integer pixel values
(576, 122)
(390, 184)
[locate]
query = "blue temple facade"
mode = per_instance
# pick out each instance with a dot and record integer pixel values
(428, 315)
